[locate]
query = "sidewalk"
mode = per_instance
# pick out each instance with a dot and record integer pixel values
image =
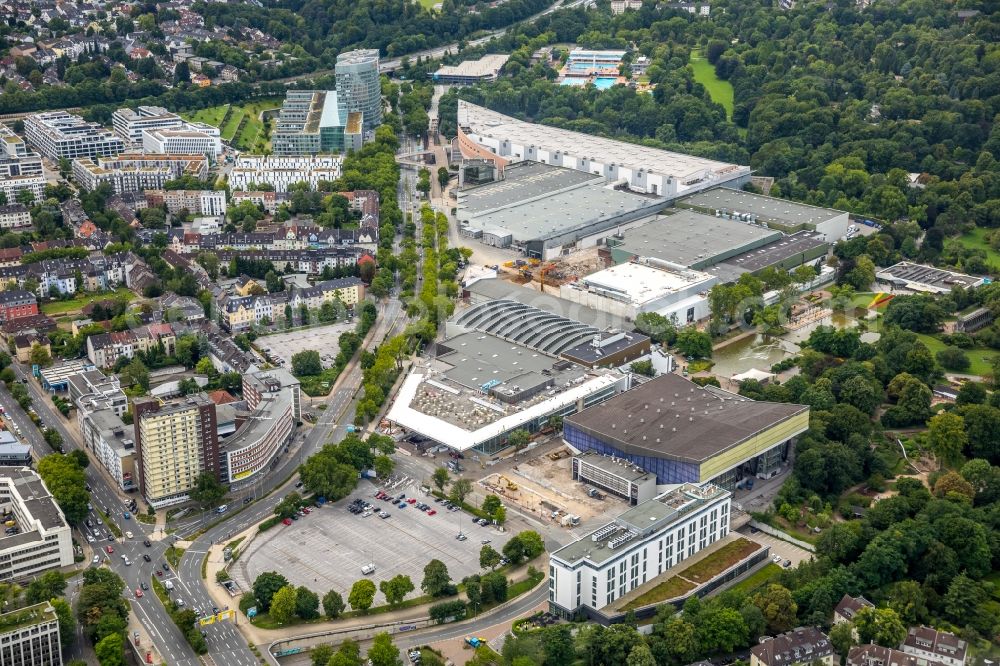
(264, 637)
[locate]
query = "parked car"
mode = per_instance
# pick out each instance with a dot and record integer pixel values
(402, 505)
(287, 521)
(432, 512)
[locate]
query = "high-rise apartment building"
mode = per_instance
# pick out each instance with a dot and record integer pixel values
(136, 172)
(359, 86)
(30, 636)
(20, 168)
(57, 134)
(316, 121)
(175, 442)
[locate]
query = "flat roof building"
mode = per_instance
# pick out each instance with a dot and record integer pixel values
(469, 72)
(30, 636)
(57, 134)
(609, 349)
(315, 121)
(12, 452)
(129, 124)
(20, 168)
(636, 547)
(137, 172)
(175, 442)
(43, 540)
(547, 211)
(632, 288)
(282, 172)
(485, 133)
(260, 435)
(927, 279)
(618, 477)
(479, 388)
(190, 140)
(690, 239)
(686, 433)
(781, 214)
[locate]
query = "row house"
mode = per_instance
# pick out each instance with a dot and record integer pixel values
(239, 313)
(15, 216)
(267, 201)
(350, 291)
(10, 256)
(302, 261)
(105, 349)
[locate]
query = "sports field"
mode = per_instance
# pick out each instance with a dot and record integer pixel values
(240, 125)
(720, 91)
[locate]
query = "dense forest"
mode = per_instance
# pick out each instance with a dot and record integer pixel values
(837, 103)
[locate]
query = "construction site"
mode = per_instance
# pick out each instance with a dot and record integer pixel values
(550, 275)
(544, 486)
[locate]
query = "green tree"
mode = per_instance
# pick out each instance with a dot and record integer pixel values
(49, 585)
(333, 604)
(437, 581)
(306, 363)
(953, 358)
(443, 177)
(721, 630)
(907, 599)
(440, 478)
(321, 655)
(362, 595)
(207, 490)
(460, 489)
(777, 606)
(859, 392)
(489, 558)
(306, 603)
(881, 626)
(67, 483)
(842, 637)
(326, 473)
(519, 439)
(383, 652)
(282, 607)
(383, 466)
(396, 588)
(946, 437)
(491, 503)
(265, 586)
(348, 654)
(640, 656)
(694, 343)
(67, 623)
(963, 595)
(110, 650)
(659, 329)
(40, 356)
(644, 368)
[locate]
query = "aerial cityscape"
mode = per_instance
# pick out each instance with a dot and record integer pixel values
(500, 333)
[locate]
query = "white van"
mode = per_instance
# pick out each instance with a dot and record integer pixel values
(368, 569)
(222, 508)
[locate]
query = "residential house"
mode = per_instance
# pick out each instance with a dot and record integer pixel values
(933, 645)
(17, 303)
(876, 655)
(805, 645)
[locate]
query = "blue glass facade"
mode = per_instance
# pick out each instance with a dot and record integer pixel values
(667, 471)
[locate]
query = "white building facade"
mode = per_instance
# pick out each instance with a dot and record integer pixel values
(636, 547)
(44, 541)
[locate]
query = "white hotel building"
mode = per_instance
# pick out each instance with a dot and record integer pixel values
(636, 547)
(20, 168)
(486, 134)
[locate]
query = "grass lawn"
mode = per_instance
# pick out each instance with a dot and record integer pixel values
(429, 4)
(720, 91)
(173, 555)
(980, 358)
(213, 115)
(669, 589)
(758, 579)
(976, 239)
(704, 570)
(75, 304)
(232, 123)
(250, 137)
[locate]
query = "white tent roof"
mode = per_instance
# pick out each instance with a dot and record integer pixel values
(753, 373)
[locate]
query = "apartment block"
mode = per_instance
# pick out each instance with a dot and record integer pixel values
(57, 134)
(350, 291)
(266, 200)
(30, 637)
(15, 216)
(43, 540)
(175, 442)
(197, 202)
(20, 168)
(136, 172)
(805, 645)
(17, 303)
(281, 172)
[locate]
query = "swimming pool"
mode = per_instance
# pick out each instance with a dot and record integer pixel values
(605, 82)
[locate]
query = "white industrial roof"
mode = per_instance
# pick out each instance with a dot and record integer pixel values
(488, 65)
(484, 122)
(641, 283)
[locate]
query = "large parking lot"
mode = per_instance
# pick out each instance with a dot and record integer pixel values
(326, 549)
(323, 339)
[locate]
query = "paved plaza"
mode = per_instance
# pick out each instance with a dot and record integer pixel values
(323, 339)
